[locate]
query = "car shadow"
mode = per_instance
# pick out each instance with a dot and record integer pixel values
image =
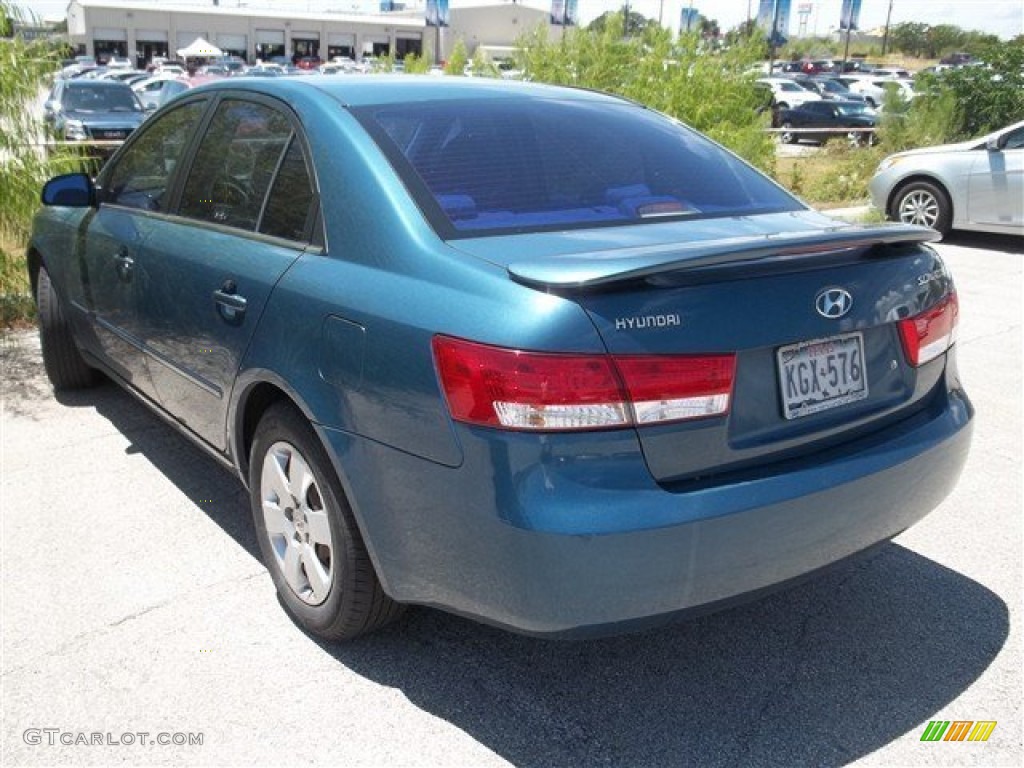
(195, 474)
(22, 384)
(986, 241)
(820, 674)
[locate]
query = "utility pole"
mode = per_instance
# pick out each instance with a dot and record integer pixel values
(625, 19)
(885, 37)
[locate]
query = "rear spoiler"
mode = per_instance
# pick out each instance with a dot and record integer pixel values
(596, 269)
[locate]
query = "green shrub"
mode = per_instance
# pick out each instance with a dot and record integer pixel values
(384, 63)
(457, 59)
(25, 70)
(931, 118)
(482, 66)
(416, 65)
(850, 170)
(990, 96)
(960, 104)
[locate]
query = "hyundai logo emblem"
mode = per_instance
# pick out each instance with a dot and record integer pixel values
(833, 303)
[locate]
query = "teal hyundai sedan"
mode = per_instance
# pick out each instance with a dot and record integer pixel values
(537, 356)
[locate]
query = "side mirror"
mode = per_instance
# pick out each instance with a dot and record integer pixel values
(995, 143)
(72, 190)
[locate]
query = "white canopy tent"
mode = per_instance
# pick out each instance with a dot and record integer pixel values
(200, 48)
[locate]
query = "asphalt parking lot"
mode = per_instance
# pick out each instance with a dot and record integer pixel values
(134, 602)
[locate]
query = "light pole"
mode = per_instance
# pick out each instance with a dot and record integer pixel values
(849, 20)
(774, 38)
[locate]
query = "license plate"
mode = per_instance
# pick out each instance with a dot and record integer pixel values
(821, 374)
(112, 134)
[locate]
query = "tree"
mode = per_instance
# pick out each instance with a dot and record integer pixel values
(638, 23)
(975, 42)
(920, 39)
(708, 28)
(943, 39)
(742, 31)
(910, 37)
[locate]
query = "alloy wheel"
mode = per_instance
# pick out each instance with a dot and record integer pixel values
(297, 523)
(919, 207)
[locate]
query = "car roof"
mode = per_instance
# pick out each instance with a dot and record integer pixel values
(401, 89)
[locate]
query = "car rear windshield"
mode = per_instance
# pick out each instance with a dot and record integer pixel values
(500, 166)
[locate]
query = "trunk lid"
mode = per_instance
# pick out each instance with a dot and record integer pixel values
(753, 287)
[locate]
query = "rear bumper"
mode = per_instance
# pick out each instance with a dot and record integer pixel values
(560, 546)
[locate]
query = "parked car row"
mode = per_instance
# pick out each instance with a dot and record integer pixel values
(821, 66)
(818, 102)
(870, 89)
(834, 67)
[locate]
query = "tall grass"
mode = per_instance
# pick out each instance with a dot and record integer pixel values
(711, 90)
(26, 68)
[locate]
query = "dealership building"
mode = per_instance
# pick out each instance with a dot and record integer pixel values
(141, 30)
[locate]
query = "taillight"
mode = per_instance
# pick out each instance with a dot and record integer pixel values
(677, 388)
(512, 389)
(931, 333)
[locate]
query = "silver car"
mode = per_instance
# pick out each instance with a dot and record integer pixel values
(977, 184)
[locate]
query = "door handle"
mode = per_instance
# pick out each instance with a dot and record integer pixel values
(125, 265)
(230, 305)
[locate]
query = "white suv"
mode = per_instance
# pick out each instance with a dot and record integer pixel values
(788, 93)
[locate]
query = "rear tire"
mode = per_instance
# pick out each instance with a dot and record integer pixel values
(308, 534)
(65, 366)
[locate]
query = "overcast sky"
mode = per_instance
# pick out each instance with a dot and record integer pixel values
(1001, 17)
